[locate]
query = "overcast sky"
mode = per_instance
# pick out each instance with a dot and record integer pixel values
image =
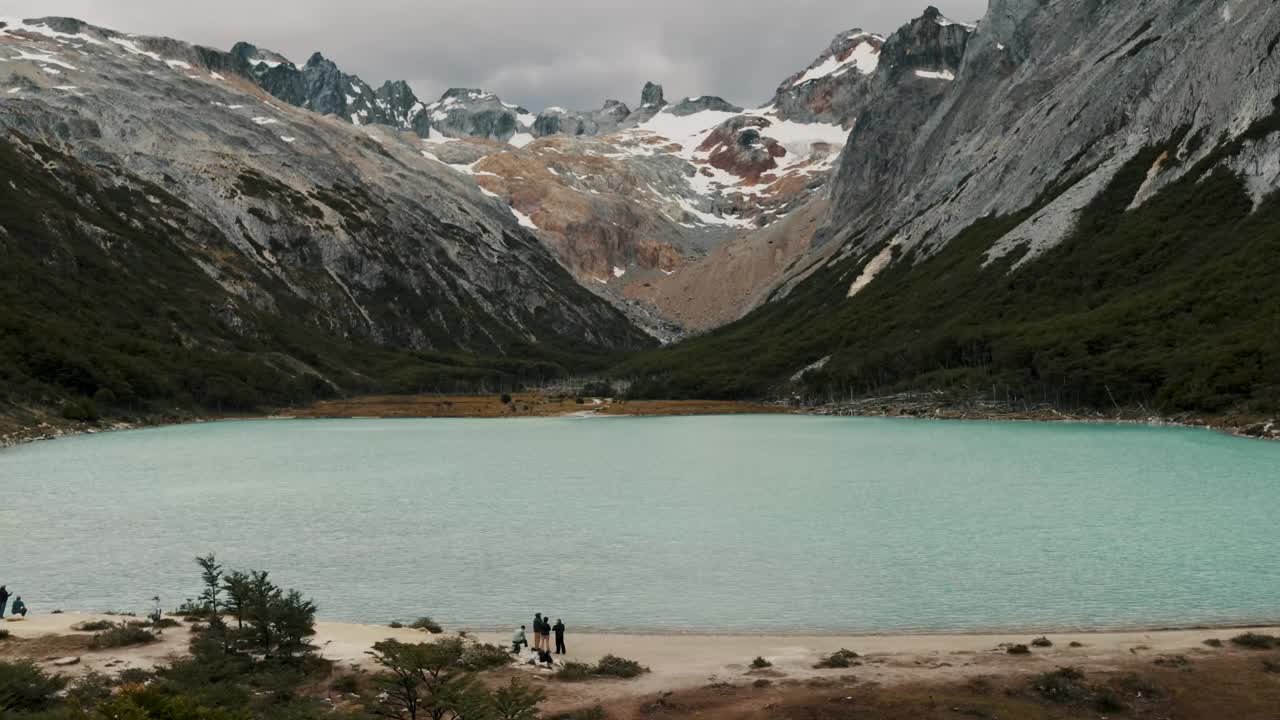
(573, 53)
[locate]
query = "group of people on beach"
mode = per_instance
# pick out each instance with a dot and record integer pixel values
(542, 631)
(19, 607)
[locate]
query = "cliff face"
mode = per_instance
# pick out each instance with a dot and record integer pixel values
(1072, 203)
(965, 125)
(348, 226)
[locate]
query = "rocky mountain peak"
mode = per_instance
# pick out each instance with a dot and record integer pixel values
(317, 60)
(931, 45)
(689, 106)
(472, 112)
(651, 96)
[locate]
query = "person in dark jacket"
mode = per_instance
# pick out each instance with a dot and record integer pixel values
(546, 633)
(559, 631)
(537, 631)
(19, 607)
(4, 599)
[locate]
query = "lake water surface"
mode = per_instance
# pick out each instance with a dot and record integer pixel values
(763, 523)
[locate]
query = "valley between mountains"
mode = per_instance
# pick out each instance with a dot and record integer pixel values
(1067, 207)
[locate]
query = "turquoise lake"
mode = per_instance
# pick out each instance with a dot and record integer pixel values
(755, 524)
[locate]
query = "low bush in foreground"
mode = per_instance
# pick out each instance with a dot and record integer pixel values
(1042, 642)
(93, 626)
(841, 658)
(349, 684)
(5, 634)
(760, 663)
(478, 657)
(1064, 685)
(609, 666)
(595, 712)
(1255, 641)
(1018, 649)
(121, 636)
(614, 666)
(427, 624)
(573, 671)
(24, 687)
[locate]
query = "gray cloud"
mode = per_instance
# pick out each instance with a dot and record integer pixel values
(547, 52)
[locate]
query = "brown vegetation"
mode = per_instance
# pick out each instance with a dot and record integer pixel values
(521, 405)
(1235, 687)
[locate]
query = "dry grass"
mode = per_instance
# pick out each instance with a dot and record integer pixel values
(1234, 686)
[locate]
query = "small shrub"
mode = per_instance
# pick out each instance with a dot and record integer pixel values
(1042, 642)
(595, 712)
(90, 689)
(505, 398)
(478, 657)
(164, 622)
(1064, 685)
(104, 397)
(135, 676)
(1107, 702)
(1018, 649)
(580, 401)
(396, 625)
(1178, 661)
(427, 624)
(614, 666)
(1213, 643)
(838, 659)
(5, 634)
(1270, 666)
(24, 687)
(1075, 644)
(347, 684)
(93, 626)
(573, 671)
(80, 410)
(122, 636)
(760, 663)
(1134, 685)
(762, 683)
(1254, 641)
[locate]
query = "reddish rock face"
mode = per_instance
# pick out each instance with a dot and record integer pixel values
(738, 147)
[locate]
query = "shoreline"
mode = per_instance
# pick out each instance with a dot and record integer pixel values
(909, 406)
(689, 661)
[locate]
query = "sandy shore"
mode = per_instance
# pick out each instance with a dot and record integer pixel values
(684, 661)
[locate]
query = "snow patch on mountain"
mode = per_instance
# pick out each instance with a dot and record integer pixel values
(936, 74)
(864, 58)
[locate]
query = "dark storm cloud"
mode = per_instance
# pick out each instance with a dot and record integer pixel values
(546, 52)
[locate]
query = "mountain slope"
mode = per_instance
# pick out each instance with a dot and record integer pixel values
(1075, 204)
(254, 227)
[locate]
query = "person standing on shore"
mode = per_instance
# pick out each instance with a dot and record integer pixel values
(559, 630)
(537, 631)
(546, 633)
(4, 599)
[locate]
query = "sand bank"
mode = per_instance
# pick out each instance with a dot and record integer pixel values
(684, 661)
